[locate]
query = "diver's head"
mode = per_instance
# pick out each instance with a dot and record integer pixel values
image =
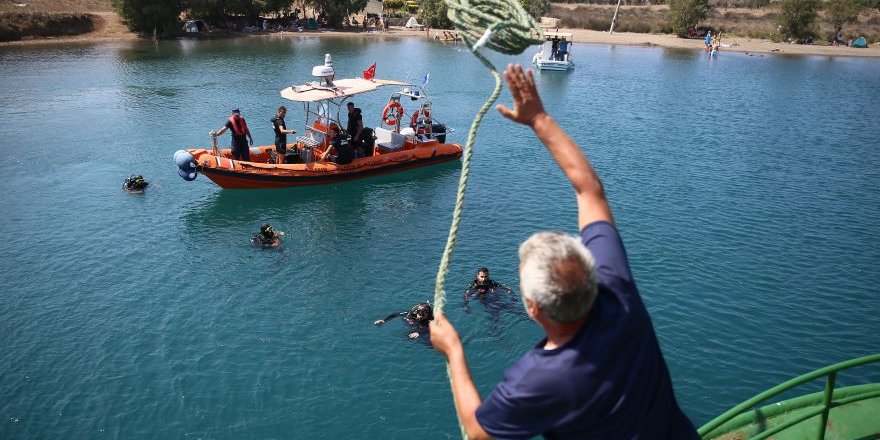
(482, 275)
(423, 313)
(266, 230)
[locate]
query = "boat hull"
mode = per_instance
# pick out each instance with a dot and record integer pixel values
(232, 174)
(543, 64)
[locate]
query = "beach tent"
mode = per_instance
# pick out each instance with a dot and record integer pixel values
(860, 42)
(413, 23)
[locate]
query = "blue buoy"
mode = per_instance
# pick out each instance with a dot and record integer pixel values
(186, 165)
(189, 176)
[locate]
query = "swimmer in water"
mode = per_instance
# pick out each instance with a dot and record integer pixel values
(418, 317)
(267, 237)
(482, 285)
(135, 184)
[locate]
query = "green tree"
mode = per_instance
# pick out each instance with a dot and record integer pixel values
(682, 14)
(393, 5)
(433, 14)
(156, 17)
(536, 8)
(841, 12)
(798, 17)
(337, 10)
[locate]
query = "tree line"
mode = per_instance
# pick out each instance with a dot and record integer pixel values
(797, 19)
(162, 17)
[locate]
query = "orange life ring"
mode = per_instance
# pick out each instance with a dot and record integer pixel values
(392, 113)
(422, 126)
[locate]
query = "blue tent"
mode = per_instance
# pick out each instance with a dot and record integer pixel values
(860, 42)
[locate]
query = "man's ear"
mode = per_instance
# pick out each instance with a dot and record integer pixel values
(532, 308)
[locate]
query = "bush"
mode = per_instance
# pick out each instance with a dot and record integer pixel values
(433, 14)
(683, 14)
(798, 18)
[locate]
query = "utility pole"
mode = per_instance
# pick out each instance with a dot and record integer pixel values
(614, 19)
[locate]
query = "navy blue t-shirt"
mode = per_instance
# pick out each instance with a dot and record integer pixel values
(609, 382)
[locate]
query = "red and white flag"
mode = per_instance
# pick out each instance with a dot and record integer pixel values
(370, 72)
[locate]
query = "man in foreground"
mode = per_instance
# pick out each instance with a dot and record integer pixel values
(599, 373)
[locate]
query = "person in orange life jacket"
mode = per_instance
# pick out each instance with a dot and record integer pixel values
(281, 133)
(240, 136)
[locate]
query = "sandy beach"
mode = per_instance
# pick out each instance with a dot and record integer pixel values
(111, 28)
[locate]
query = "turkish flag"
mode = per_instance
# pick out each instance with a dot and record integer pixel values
(370, 72)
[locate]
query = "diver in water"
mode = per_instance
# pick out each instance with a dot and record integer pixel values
(418, 317)
(135, 184)
(267, 237)
(482, 285)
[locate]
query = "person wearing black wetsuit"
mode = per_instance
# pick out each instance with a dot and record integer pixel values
(281, 133)
(417, 317)
(483, 285)
(267, 237)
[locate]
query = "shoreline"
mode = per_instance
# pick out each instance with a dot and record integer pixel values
(113, 30)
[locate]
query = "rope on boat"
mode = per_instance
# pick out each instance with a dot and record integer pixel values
(503, 26)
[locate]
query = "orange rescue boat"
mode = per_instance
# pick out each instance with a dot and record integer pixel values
(391, 148)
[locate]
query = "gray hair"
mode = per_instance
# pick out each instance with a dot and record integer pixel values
(558, 273)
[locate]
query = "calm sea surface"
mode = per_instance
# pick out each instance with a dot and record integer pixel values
(747, 190)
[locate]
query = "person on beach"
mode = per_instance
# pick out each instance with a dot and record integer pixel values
(599, 373)
(483, 285)
(281, 132)
(240, 135)
(267, 237)
(417, 317)
(708, 40)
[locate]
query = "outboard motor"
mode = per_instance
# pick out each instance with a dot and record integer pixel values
(186, 165)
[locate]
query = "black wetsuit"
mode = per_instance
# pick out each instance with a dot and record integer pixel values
(280, 136)
(419, 323)
(480, 290)
(263, 240)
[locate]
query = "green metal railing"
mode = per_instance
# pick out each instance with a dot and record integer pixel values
(827, 400)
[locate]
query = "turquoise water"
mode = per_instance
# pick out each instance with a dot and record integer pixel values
(746, 190)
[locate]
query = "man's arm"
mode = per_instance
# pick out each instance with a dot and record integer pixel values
(528, 110)
(389, 317)
(445, 339)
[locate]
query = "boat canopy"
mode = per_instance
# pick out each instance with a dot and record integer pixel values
(342, 88)
(549, 35)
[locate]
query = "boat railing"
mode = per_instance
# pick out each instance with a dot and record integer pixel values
(829, 400)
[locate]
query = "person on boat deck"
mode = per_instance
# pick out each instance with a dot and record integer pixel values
(338, 150)
(240, 135)
(562, 50)
(599, 373)
(417, 317)
(355, 127)
(267, 237)
(554, 48)
(483, 285)
(281, 133)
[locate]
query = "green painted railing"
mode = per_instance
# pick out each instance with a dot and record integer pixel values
(828, 402)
